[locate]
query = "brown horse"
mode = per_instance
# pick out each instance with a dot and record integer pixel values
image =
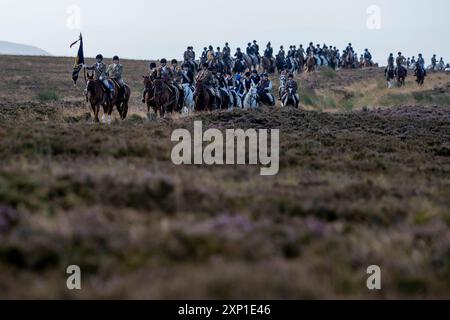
(310, 63)
(166, 98)
(204, 100)
(97, 96)
(268, 64)
(149, 94)
(120, 99)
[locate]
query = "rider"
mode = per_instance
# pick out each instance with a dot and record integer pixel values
(281, 53)
(441, 64)
(391, 61)
(433, 62)
(255, 48)
(239, 55)
(400, 61)
(187, 76)
(115, 71)
(290, 84)
(99, 69)
(247, 83)
(152, 75)
(251, 51)
(226, 51)
(266, 87)
(255, 77)
(367, 56)
(349, 48)
(204, 56)
(206, 77)
(218, 54)
(268, 53)
(210, 56)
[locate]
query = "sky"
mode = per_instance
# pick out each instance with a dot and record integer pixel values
(149, 29)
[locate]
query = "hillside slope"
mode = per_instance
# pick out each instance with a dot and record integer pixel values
(355, 189)
(10, 48)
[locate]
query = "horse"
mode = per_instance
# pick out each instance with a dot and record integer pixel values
(310, 63)
(149, 95)
(282, 86)
(268, 64)
(188, 101)
(390, 75)
(250, 62)
(265, 98)
(349, 60)
(237, 100)
(251, 98)
(120, 99)
(165, 99)
(239, 66)
(204, 99)
(290, 98)
(420, 75)
(97, 96)
(280, 63)
(401, 73)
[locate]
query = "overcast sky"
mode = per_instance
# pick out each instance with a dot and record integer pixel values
(143, 29)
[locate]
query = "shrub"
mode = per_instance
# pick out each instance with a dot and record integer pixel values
(47, 95)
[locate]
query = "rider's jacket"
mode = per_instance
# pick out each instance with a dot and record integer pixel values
(164, 73)
(433, 61)
(247, 84)
(187, 77)
(189, 56)
(205, 77)
(250, 51)
(210, 55)
(256, 79)
(310, 50)
(229, 83)
(391, 61)
(281, 54)
(266, 85)
(239, 55)
(115, 71)
(218, 55)
(400, 60)
(99, 71)
(268, 53)
(226, 51)
(292, 84)
(367, 56)
(421, 61)
(255, 49)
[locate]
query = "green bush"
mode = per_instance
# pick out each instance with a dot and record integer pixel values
(47, 95)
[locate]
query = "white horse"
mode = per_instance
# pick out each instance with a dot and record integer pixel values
(251, 98)
(189, 102)
(290, 99)
(236, 102)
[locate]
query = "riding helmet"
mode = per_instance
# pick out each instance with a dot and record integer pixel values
(174, 61)
(152, 65)
(163, 61)
(99, 56)
(115, 58)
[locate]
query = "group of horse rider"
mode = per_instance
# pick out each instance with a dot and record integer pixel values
(294, 59)
(402, 65)
(114, 71)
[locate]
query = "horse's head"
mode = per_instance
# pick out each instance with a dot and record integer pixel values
(90, 86)
(158, 86)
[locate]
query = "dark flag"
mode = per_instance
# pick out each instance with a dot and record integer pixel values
(79, 60)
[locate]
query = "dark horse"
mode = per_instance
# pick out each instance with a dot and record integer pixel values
(268, 64)
(401, 73)
(166, 98)
(204, 100)
(420, 74)
(149, 95)
(97, 96)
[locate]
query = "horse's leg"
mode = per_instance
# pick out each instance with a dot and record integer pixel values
(96, 112)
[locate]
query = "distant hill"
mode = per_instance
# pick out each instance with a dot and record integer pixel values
(10, 48)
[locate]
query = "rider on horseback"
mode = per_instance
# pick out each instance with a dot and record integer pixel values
(226, 51)
(433, 62)
(255, 48)
(291, 84)
(100, 69)
(115, 71)
(266, 88)
(255, 77)
(368, 56)
(152, 76)
(281, 53)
